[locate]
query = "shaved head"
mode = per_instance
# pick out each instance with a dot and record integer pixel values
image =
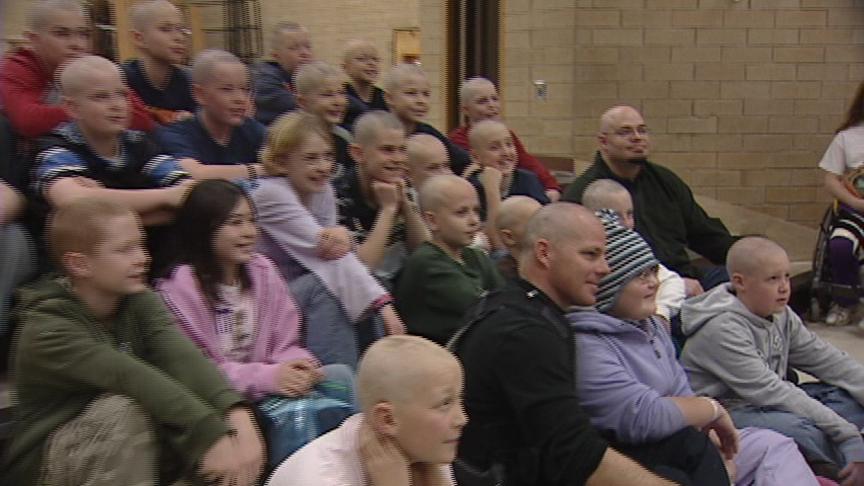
(602, 194)
(77, 74)
(422, 146)
(609, 120)
(400, 74)
(483, 130)
(205, 63)
(358, 46)
(395, 368)
(42, 12)
(557, 223)
(514, 214)
(440, 189)
(372, 124)
(143, 12)
(747, 255)
(470, 87)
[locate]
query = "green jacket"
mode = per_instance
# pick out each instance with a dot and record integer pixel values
(64, 358)
(667, 215)
(434, 291)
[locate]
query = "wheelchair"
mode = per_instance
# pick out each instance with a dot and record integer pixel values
(823, 289)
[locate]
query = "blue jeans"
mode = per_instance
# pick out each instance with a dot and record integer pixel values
(815, 445)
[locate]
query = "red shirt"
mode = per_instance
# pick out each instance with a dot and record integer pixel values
(23, 87)
(527, 161)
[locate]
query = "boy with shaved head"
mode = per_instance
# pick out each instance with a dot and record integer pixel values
(361, 63)
(427, 157)
(743, 336)
(667, 214)
(57, 32)
(608, 194)
(479, 101)
(445, 276)
(290, 47)
(221, 141)
(160, 36)
(410, 393)
(513, 216)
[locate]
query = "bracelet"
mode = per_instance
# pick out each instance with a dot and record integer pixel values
(718, 412)
(251, 171)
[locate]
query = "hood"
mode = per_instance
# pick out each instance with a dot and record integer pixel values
(697, 311)
(593, 321)
(48, 288)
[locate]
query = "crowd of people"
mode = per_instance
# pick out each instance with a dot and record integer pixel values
(224, 274)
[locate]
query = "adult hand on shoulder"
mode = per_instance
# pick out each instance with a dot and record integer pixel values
(334, 243)
(727, 434)
(385, 462)
(296, 378)
(250, 444)
(692, 287)
(852, 474)
(386, 194)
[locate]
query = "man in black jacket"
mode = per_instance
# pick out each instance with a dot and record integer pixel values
(526, 422)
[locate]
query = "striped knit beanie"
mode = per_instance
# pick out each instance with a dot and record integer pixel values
(627, 255)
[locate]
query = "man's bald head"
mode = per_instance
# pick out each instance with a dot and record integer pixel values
(558, 223)
(440, 189)
(78, 73)
(513, 216)
(748, 255)
(395, 367)
(610, 119)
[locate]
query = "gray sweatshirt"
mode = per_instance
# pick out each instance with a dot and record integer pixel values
(732, 353)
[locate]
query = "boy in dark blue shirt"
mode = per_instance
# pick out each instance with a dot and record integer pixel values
(290, 47)
(361, 64)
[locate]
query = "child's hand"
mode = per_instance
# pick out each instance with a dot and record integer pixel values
(392, 322)
(385, 462)
(250, 443)
(553, 194)
(727, 435)
(182, 115)
(852, 474)
(296, 378)
(490, 178)
(386, 194)
(178, 194)
(334, 243)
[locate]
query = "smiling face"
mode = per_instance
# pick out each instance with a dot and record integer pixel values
(225, 95)
(764, 288)
(362, 64)
(328, 102)
(164, 35)
(410, 100)
(495, 149)
(577, 266)
(483, 105)
(118, 264)
(636, 299)
(457, 218)
(386, 159)
(234, 241)
(100, 105)
(624, 136)
(309, 167)
(428, 425)
(291, 49)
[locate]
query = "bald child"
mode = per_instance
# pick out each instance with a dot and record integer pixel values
(427, 157)
(610, 194)
(513, 216)
(410, 393)
(443, 278)
(743, 336)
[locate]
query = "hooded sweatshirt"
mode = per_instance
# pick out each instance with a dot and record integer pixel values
(65, 357)
(625, 371)
(734, 354)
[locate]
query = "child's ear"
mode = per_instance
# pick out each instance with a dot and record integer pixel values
(301, 102)
(70, 106)
(382, 419)
(76, 264)
(737, 281)
(507, 236)
(137, 39)
(431, 221)
(356, 152)
(198, 93)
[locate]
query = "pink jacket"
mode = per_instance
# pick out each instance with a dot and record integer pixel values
(277, 333)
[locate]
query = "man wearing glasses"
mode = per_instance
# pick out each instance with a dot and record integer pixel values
(666, 213)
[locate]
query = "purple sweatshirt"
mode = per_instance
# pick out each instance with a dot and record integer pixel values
(624, 372)
(277, 331)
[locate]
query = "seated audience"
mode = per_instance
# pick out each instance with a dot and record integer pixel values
(518, 354)
(513, 216)
(427, 157)
(667, 215)
(742, 338)
(57, 31)
(17, 263)
(160, 38)
(478, 99)
(221, 141)
(443, 277)
(290, 47)
(637, 394)
(407, 93)
(495, 175)
(410, 394)
(321, 93)
(108, 390)
(361, 62)
(296, 207)
(608, 194)
(373, 200)
(841, 166)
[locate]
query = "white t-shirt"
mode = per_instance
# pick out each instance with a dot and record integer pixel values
(331, 460)
(846, 151)
(235, 323)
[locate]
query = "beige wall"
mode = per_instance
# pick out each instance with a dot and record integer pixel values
(12, 18)
(742, 97)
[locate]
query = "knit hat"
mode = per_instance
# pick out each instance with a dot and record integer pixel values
(627, 255)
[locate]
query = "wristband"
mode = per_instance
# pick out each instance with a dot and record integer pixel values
(718, 412)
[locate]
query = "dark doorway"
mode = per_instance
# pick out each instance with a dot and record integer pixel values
(473, 40)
